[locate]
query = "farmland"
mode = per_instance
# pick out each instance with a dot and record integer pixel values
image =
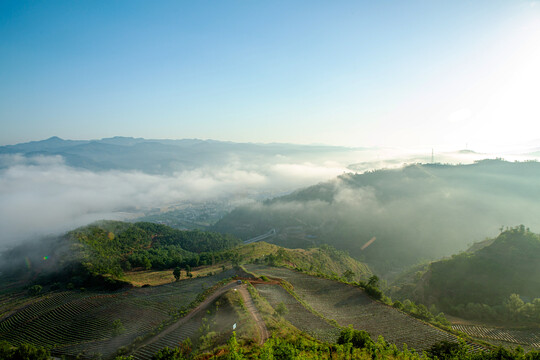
(218, 316)
(529, 338)
(349, 305)
(297, 314)
(72, 323)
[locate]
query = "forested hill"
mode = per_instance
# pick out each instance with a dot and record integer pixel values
(392, 219)
(482, 282)
(108, 248)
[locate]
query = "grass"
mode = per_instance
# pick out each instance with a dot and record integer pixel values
(161, 277)
(329, 262)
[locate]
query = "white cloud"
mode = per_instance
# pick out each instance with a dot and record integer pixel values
(43, 195)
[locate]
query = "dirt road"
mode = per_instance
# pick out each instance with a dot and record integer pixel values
(250, 306)
(191, 314)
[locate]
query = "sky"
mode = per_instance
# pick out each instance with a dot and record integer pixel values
(355, 73)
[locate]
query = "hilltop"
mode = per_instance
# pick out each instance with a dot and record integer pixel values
(103, 251)
(498, 279)
(115, 253)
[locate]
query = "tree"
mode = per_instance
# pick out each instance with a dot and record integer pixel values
(514, 304)
(35, 290)
(357, 338)
(177, 273)
(188, 271)
(23, 352)
(169, 354)
(147, 264)
(448, 350)
(348, 275)
(118, 327)
(373, 281)
(234, 350)
(281, 309)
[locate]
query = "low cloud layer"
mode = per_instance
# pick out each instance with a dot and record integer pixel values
(42, 195)
(416, 213)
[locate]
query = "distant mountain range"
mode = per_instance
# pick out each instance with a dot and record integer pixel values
(165, 156)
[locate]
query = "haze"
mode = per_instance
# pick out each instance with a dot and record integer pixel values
(384, 83)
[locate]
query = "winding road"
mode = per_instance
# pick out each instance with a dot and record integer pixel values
(248, 301)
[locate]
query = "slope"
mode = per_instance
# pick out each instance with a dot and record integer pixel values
(391, 219)
(480, 283)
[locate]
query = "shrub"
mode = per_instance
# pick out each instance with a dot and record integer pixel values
(35, 290)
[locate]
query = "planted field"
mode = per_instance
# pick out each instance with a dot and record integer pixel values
(349, 305)
(221, 320)
(297, 314)
(523, 337)
(71, 323)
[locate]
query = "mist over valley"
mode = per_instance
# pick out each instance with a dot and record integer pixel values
(334, 180)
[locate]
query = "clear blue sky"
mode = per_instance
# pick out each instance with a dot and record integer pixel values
(358, 73)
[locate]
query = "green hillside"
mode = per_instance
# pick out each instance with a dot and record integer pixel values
(323, 260)
(416, 213)
(104, 250)
(481, 283)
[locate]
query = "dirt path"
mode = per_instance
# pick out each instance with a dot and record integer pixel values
(191, 314)
(250, 306)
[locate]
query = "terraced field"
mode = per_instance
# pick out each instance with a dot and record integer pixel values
(71, 323)
(349, 305)
(171, 340)
(522, 337)
(298, 315)
(188, 326)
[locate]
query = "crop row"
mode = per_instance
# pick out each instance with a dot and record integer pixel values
(350, 305)
(297, 314)
(527, 337)
(34, 310)
(171, 340)
(73, 323)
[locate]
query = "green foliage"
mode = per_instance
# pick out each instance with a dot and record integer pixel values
(357, 338)
(281, 309)
(485, 284)
(348, 275)
(117, 327)
(373, 281)
(169, 354)
(35, 290)
(352, 344)
(177, 272)
(325, 260)
(97, 255)
(23, 352)
(373, 291)
(448, 350)
(417, 212)
(235, 352)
